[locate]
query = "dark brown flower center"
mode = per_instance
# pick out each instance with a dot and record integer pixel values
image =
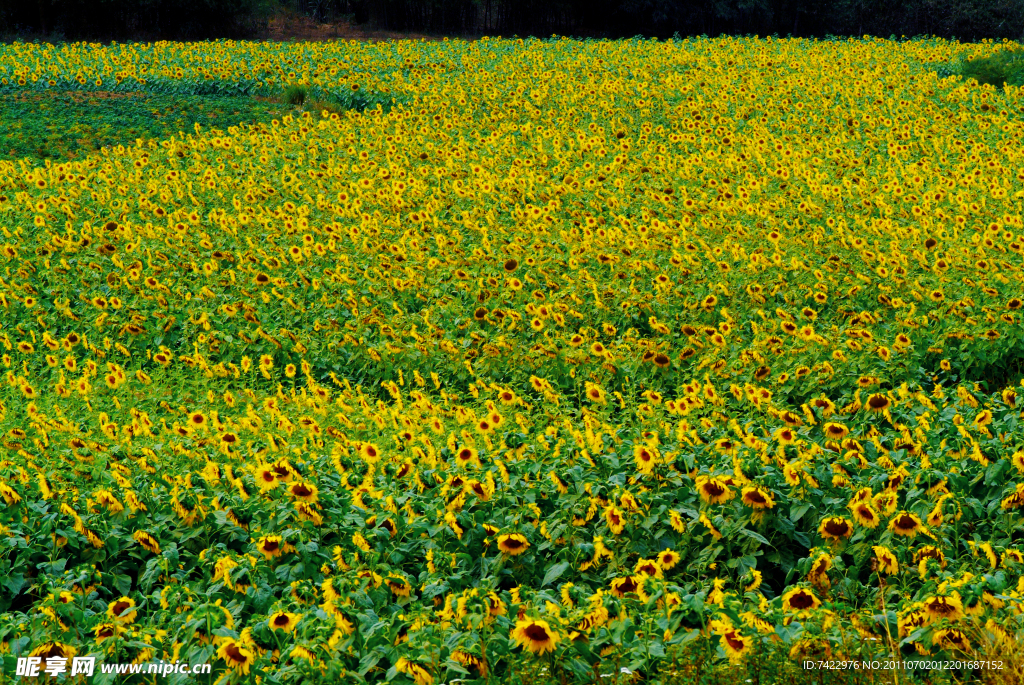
(536, 633)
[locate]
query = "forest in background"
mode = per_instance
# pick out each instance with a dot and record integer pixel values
(968, 20)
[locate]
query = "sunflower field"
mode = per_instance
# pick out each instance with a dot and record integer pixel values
(547, 361)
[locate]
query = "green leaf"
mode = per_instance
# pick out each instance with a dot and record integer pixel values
(756, 536)
(554, 572)
(797, 512)
(369, 661)
(15, 583)
(453, 665)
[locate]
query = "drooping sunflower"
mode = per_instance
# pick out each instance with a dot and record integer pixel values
(939, 607)
(399, 585)
(713, 490)
(147, 541)
(835, 528)
(54, 650)
(877, 402)
(616, 522)
(237, 656)
(756, 578)
(865, 515)
(620, 587)
(800, 599)
(951, 639)
(757, 497)
(307, 492)
(513, 544)
(649, 566)
(104, 631)
(735, 645)
(419, 674)
(835, 431)
(535, 636)
(885, 560)
(905, 523)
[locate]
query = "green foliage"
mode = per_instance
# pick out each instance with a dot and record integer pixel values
(63, 125)
(295, 94)
(1003, 68)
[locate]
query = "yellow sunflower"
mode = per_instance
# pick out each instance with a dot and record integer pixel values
(535, 636)
(513, 544)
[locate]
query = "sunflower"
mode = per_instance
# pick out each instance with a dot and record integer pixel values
(864, 514)
(369, 451)
(676, 521)
(513, 544)
(614, 518)
(271, 546)
(835, 431)
(54, 650)
(238, 657)
(645, 458)
(466, 456)
(104, 631)
(535, 636)
(649, 566)
(706, 522)
(283, 621)
(886, 502)
(306, 492)
(885, 560)
(471, 661)
(905, 523)
(398, 585)
(735, 645)
(265, 478)
(820, 567)
(930, 552)
(943, 607)
(877, 402)
(596, 394)
(620, 587)
(147, 541)
(800, 599)
(785, 436)
(835, 528)
(667, 559)
(419, 674)
(713, 490)
(757, 498)
(118, 610)
(951, 639)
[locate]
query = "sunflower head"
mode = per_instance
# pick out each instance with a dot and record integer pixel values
(535, 636)
(513, 544)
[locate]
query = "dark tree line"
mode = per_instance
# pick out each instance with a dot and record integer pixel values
(177, 19)
(134, 19)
